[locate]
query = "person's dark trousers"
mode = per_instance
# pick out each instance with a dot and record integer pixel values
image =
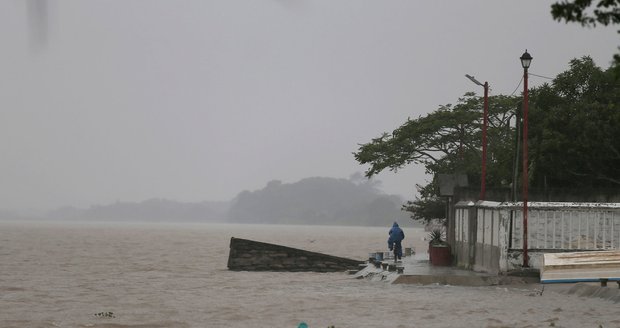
(399, 250)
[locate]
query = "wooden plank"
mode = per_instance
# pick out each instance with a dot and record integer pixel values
(580, 267)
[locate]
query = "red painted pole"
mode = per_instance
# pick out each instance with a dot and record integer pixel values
(485, 123)
(525, 174)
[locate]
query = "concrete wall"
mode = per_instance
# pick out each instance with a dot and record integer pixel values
(478, 237)
(488, 236)
(249, 255)
(460, 255)
(465, 227)
(597, 195)
(514, 260)
(487, 258)
(482, 239)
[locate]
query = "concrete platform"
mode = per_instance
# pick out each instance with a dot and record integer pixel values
(418, 270)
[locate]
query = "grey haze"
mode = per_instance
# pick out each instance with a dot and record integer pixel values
(106, 101)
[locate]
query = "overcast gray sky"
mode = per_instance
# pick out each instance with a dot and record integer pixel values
(198, 100)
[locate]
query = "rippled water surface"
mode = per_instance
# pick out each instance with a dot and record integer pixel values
(60, 274)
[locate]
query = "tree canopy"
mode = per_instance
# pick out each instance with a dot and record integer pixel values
(447, 140)
(605, 12)
(575, 137)
(574, 140)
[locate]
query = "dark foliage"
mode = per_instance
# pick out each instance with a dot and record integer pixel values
(573, 139)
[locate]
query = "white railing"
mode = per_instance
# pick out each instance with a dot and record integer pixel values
(489, 215)
(489, 235)
(461, 228)
(567, 226)
(488, 223)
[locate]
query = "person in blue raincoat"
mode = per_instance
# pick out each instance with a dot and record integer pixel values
(396, 237)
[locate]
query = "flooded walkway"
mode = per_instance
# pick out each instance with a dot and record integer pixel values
(417, 269)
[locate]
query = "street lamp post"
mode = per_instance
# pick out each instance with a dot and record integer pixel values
(526, 60)
(485, 123)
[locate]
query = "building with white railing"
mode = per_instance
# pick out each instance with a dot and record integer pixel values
(488, 236)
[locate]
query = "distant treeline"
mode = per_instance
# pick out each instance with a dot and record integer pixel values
(318, 200)
(157, 210)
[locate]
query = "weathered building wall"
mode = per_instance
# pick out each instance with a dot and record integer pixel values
(460, 255)
(249, 255)
(478, 237)
(487, 238)
(487, 258)
(595, 195)
(496, 231)
(465, 237)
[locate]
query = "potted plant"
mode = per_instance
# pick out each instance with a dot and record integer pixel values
(438, 249)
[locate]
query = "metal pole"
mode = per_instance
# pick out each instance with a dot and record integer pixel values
(485, 123)
(515, 170)
(525, 174)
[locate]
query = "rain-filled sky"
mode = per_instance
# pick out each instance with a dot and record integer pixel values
(192, 100)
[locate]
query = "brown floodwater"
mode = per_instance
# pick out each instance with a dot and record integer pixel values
(122, 275)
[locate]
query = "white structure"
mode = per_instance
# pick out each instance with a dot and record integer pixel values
(488, 236)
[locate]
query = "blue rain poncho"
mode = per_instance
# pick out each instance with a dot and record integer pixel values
(396, 237)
